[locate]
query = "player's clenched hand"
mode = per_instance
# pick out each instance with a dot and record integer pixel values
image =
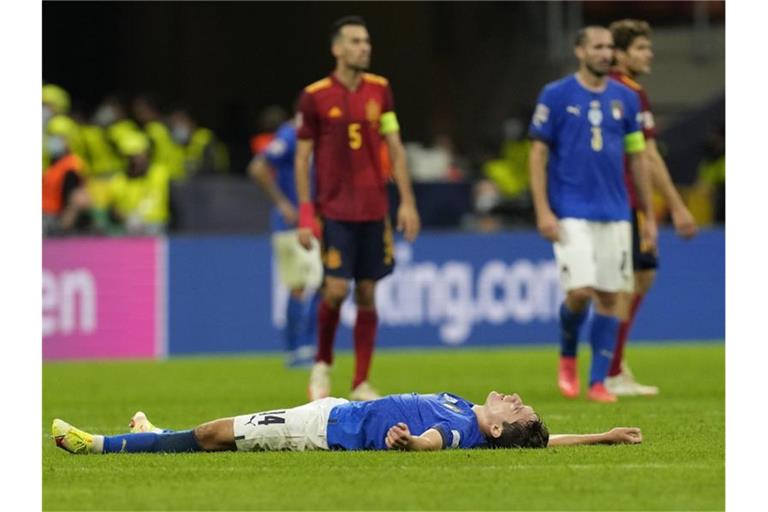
(309, 226)
(548, 226)
(624, 435)
(398, 437)
(408, 221)
(685, 224)
(649, 235)
(305, 237)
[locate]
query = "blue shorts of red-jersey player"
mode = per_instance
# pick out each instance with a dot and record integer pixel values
(358, 250)
(642, 259)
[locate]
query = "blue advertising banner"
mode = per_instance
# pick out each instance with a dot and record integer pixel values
(447, 290)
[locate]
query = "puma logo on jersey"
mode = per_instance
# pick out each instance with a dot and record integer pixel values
(334, 112)
(573, 109)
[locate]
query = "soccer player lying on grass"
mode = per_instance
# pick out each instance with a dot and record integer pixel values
(405, 422)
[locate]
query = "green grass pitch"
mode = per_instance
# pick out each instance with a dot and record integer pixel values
(680, 465)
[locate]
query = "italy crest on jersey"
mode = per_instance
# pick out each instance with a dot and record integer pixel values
(617, 109)
(372, 111)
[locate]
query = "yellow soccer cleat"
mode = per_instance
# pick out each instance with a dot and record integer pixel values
(140, 423)
(70, 438)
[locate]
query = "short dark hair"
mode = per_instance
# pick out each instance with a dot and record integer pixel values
(343, 22)
(627, 30)
(581, 35)
(533, 434)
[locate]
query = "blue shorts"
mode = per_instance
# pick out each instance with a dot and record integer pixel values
(358, 250)
(641, 259)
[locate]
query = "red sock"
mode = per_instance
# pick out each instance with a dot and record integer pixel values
(365, 338)
(327, 321)
(621, 339)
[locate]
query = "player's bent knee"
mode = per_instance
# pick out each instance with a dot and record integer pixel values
(644, 280)
(365, 294)
(606, 303)
(578, 299)
(335, 291)
(216, 435)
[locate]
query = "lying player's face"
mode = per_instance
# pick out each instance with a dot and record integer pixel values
(509, 408)
(353, 47)
(597, 51)
(639, 56)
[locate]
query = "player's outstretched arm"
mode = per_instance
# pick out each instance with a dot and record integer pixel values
(618, 435)
(400, 438)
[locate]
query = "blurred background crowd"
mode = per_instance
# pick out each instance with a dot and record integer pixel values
(168, 153)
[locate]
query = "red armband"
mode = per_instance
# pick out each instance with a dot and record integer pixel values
(307, 219)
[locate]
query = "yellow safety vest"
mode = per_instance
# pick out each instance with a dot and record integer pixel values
(195, 151)
(145, 196)
(164, 150)
(102, 155)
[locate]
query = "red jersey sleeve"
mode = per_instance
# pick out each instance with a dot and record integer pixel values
(388, 101)
(647, 123)
(308, 122)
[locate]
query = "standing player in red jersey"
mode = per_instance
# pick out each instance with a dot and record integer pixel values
(633, 54)
(343, 119)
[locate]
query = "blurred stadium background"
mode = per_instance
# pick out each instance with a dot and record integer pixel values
(192, 274)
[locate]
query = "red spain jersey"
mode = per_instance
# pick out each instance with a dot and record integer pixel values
(350, 182)
(647, 123)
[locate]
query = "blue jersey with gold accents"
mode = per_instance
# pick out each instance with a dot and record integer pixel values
(364, 425)
(588, 133)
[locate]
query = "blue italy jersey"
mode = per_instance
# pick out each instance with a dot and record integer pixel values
(588, 134)
(280, 154)
(364, 425)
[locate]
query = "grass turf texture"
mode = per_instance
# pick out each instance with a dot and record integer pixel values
(680, 465)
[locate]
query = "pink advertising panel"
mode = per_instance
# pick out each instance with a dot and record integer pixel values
(102, 298)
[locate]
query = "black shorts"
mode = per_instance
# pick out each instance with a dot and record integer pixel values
(641, 259)
(358, 250)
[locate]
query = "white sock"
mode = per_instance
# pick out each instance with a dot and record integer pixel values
(98, 444)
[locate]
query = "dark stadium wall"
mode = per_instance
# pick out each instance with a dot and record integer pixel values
(457, 68)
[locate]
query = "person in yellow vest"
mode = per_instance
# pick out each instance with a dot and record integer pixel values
(509, 171)
(203, 152)
(56, 104)
(112, 116)
(65, 199)
(707, 194)
(165, 150)
(138, 198)
(100, 136)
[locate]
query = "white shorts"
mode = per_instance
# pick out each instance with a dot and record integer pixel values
(595, 255)
(297, 267)
(298, 429)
